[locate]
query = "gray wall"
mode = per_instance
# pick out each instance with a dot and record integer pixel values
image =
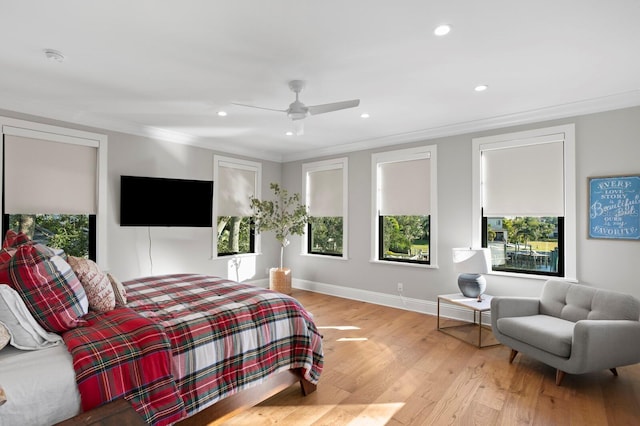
(173, 250)
(139, 251)
(606, 144)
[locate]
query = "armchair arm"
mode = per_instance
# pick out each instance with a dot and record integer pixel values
(502, 307)
(600, 344)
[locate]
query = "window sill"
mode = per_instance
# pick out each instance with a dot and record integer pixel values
(322, 256)
(531, 276)
(235, 256)
(403, 264)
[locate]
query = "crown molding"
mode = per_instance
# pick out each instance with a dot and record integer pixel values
(584, 107)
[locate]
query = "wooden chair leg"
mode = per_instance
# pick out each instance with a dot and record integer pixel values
(614, 371)
(559, 376)
(512, 355)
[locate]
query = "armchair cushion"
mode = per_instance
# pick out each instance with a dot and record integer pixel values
(545, 332)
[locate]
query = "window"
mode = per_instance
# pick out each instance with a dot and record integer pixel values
(524, 188)
(235, 182)
(404, 222)
(75, 234)
(326, 197)
(54, 182)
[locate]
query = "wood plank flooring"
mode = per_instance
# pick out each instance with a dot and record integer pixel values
(385, 366)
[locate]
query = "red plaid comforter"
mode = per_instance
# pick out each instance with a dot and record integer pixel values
(120, 354)
(226, 336)
(192, 341)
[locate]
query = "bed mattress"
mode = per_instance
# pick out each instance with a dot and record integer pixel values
(25, 374)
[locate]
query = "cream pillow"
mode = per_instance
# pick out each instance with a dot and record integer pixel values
(5, 337)
(95, 282)
(118, 290)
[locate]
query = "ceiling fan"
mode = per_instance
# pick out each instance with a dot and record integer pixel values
(298, 111)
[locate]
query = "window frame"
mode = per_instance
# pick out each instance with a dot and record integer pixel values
(318, 166)
(255, 241)
(46, 132)
(408, 154)
(528, 137)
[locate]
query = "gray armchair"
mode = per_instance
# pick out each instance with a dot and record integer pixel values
(571, 327)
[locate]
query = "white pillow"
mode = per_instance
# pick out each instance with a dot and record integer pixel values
(25, 332)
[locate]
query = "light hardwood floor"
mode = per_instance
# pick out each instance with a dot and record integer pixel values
(390, 366)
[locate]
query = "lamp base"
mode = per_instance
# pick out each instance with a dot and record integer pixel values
(472, 285)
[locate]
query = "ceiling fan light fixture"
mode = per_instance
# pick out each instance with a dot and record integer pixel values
(297, 115)
(442, 30)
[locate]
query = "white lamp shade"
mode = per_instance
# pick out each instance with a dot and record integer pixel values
(471, 261)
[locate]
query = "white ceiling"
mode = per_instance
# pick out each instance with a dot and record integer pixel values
(164, 68)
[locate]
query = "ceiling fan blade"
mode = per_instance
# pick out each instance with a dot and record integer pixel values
(298, 126)
(257, 107)
(335, 106)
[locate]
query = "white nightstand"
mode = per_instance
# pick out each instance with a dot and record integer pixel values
(478, 308)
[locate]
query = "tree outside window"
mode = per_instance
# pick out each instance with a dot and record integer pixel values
(325, 235)
(235, 235)
(67, 232)
(405, 238)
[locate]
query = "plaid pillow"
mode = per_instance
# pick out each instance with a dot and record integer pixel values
(5, 257)
(14, 239)
(49, 288)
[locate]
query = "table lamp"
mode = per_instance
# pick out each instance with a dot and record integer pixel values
(470, 264)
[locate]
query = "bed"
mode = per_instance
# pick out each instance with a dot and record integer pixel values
(184, 348)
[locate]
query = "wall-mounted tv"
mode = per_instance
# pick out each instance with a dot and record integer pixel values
(149, 201)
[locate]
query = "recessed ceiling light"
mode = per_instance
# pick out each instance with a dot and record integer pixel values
(365, 115)
(222, 113)
(481, 88)
(442, 30)
(289, 133)
(53, 55)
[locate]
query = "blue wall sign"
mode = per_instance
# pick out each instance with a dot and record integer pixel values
(614, 207)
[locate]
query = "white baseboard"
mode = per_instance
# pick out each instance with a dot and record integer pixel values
(395, 301)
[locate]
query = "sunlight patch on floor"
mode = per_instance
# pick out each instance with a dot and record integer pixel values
(376, 414)
(339, 327)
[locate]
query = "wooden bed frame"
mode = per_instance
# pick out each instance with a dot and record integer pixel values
(232, 405)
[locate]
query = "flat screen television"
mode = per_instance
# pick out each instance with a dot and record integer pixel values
(149, 201)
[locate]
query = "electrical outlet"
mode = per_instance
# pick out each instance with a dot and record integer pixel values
(400, 287)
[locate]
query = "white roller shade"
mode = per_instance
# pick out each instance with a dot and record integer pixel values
(405, 188)
(49, 177)
(526, 180)
(325, 193)
(235, 186)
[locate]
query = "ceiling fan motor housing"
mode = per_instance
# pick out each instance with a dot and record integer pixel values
(297, 110)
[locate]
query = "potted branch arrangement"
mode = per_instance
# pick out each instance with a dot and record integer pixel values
(285, 216)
